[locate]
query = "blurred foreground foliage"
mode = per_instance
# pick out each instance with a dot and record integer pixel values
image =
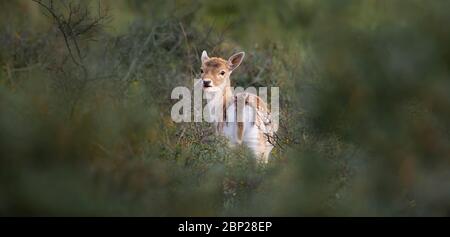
(365, 100)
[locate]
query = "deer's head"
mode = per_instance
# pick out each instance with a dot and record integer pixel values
(215, 72)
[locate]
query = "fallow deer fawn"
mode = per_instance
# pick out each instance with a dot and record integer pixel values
(243, 118)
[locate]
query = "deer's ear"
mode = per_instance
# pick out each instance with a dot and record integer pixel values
(204, 56)
(235, 60)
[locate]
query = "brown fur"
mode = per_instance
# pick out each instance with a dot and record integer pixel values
(212, 68)
(261, 119)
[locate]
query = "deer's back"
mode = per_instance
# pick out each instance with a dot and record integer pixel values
(254, 127)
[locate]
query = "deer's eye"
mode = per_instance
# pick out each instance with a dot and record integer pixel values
(201, 71)
(222, 73)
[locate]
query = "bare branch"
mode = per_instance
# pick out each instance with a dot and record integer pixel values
(74, 24)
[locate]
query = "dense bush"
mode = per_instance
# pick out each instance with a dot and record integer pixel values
(365, 107)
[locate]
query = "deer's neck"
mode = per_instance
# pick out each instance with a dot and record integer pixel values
(218, 105)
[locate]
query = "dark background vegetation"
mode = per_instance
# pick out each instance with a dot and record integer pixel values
(85, 126)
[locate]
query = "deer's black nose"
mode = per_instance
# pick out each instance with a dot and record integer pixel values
(206, 83)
